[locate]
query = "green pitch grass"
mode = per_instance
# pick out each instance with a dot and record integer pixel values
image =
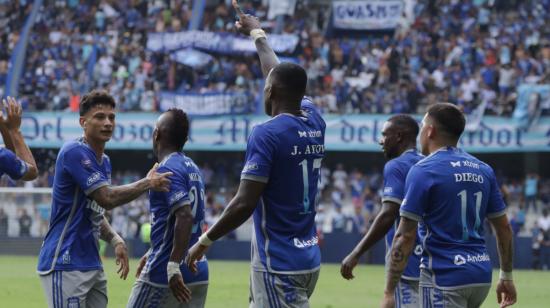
(20, 286)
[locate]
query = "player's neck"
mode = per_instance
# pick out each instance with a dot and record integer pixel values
(164, 152)
(406, 148)
(438, 146)
(279, 108)
(97, 146)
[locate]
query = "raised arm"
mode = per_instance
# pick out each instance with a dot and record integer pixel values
(250, 26)
(4, 131)
(109, 197)
(15, 140)
(506, 291)
(380, 226)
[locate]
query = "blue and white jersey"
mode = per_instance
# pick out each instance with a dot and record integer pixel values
(12, 165)
(72, 241)
(452, 193)
(286, 153)
(186, 189)
(395, 173)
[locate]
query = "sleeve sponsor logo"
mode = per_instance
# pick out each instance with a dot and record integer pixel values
(93, 178)
(176, 197)
(251, 166)
(86, 163)
(388, 190)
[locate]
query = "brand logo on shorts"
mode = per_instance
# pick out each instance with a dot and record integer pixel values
(459, 260)
(73, 302)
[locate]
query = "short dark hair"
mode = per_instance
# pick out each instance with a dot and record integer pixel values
(94, 98)
(406, 125)
(177, 128)
(448, 118)
(291, 78)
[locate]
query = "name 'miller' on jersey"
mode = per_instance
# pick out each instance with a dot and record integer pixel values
(451, 193)
(395, 173)
(285, 153)
(186, 189)
(72, 241)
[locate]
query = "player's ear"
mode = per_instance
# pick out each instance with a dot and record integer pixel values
(82, 121)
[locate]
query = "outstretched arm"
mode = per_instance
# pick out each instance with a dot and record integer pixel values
(239, 209)
(250, 26)
(380, 226)
(110, 197)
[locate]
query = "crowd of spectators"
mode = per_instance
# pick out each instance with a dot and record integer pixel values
(472, 53)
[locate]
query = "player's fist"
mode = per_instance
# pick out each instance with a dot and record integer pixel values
(159, 181)
(179, 289)
(348, 264)
(246, 22)
(506, 293)
(194, 254)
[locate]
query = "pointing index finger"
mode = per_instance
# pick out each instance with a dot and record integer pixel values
(237, 7)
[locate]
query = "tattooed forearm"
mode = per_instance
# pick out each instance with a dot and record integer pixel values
(504, 235)
(402, 246)
(106, 232)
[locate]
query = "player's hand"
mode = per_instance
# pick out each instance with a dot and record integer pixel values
(388, 301)
(506, 293)
(141, 265)
(348, 264)
(14, 112)
(179, 289)
(194, 254)
(159, 181)
(246, 22)
(121, 253)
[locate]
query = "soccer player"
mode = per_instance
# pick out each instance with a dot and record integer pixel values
(278, 186)
(450, 193)
(16, 158)
(177, 217)
(399, 144)
(69, 264)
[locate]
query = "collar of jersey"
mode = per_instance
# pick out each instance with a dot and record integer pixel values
(83, 141)
(167, 158)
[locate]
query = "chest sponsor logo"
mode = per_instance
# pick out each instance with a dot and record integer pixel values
(306, 243)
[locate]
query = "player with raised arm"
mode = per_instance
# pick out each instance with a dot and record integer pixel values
(176, 223)
(451, 193)
(278, 186)
(399, 145)
(69, 264)
(16, 158)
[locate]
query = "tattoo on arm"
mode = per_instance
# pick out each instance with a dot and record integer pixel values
(110, 197)
(106, 232)
(402, 246)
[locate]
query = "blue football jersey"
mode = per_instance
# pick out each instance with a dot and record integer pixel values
(395, 173)
(286, 153)
(12, 165)
(452, 193)
(72, 241)
(186, 189)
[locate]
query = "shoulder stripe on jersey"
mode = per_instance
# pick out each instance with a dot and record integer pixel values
(64, 232)
(266, 236)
